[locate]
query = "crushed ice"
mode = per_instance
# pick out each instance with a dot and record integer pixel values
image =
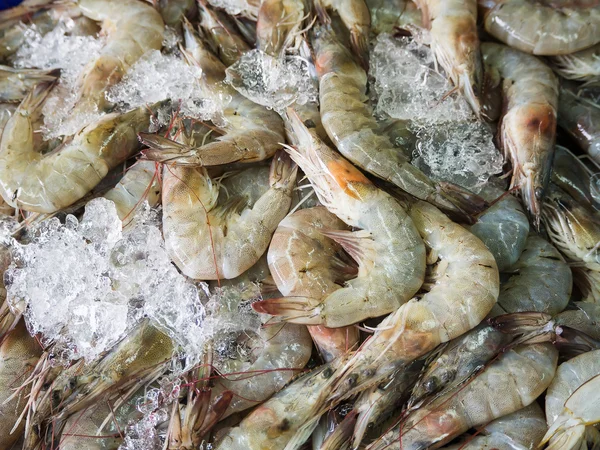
(273, 82)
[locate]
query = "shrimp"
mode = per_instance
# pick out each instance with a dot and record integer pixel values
(503, 227)
(541, 280)
(355, 132)
(528, 127)
(19, 353)
(556, 27)
(279, 422)
(575, 178)
(15, 84)
(208, 241)
(223, 39)
(244, 8)
(572, 402)
(306, 263)
(139, 184)
(13, 33)
(391, 259)
(575, 231)
(580, 118)
(173, 11)
(251, 132)
(510, 383)
(581, 66)
(583, 316)
(379, 402)
(388, 16)
(132, 29)
(455, 44)
(521, 430)
(50, 182)
(279, 24)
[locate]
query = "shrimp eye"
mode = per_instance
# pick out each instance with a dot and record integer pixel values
(431, 385)
(72, 384)
(308, 123)
(447, 377)
(327, 372)
(539, 193)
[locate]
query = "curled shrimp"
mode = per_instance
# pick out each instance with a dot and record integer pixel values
(541, 280)
(19, 353)
(581, 66)
(15, 84)
(455, 44)
(391, 259)
(355, 132)
(572, 403)
(279, 24)
(551, 27)
(208, 240)
(49, 182)
(528, 127)
(523, 429)
(388, 16)
(507, 385)
(462, 286)
(306, 263)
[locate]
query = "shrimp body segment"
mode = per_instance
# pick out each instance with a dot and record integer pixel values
(388, 248)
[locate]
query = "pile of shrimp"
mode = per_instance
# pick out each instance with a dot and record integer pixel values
(395, 311)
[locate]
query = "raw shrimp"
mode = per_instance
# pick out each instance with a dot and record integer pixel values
(503, 227)
(132, 28)
(251, 132)
(357, 19)
(541, 280)
(377, 404)
(306, 263)
(13, 33)
(279, 24)
(581, 119)
(455, 44)
(576, 178)
(521, 430)
(49, 182)
(583, 316)
(208, 240)
(244, 8)
(223, 38)
(391, 258)
(575, 231)
(510, 383)
(458, 361)
(528, 127)
(572, 402)
(279, 422)
(462, 284)
(19, 353)
(350, 124)
(173, 11)
(15, 84)
(139, 184)
(547, 27)
(581, 66)
(388, 16)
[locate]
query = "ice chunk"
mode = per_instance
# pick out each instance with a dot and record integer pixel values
(273, 82)
(460, 152)
(406, 85)
(156, 77)
(248, 8)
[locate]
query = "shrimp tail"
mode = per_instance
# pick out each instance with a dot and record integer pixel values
(533, 327)
(283, 171)
(359, 40)
(466, 201)
(35, 99)
(565, 433)
(340, 438)
(217, 410)
(355, 243)
(572, 342)
(301, 310)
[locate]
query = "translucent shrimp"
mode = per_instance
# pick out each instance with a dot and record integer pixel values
(528, 127)
(576, 178)
(557, 27)
(357, 19)
(351, 126)
(572, 402)
(455, 44)
(503, 227)
(132, 28)
(580, 118)
(391, 258)
(49, 182)
(250, 132)
(279, 422)
(15, 84)
(208, 240)
(541, 280)
(462, 286)
(388, 16)
(521, 430)
(140, 184)
(581, 66)
(279, 24)
(575, 231)
(19, 353)
(507, 385)
(222, 37)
